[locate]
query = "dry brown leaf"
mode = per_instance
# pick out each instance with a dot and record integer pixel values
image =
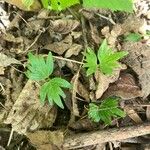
(60, 47)
(28, 113)
(139, 60)
(103, 81)
(125, 87)
(73, 50)
(19, 3)
(112, 35)
(148, 113)
(74, 82)
(82, 91)
(64, 26)
(133, 115)
(6, 61)
(95, 34)
(46, 139)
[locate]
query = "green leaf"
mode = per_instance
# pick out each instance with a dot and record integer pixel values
(27, 3)
(108, 59)
(91, 61)
(122, 5)
(105, 111)
(58, 5)
(52, 90)
(38, 67)
(133, 37)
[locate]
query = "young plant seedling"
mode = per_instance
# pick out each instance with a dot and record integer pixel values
(40, 69)
(105, 111)
(106, 60)
(133, 37)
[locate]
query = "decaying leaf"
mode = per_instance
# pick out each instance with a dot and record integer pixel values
(28, 113)
(46, 139)
(73, 50)
(125, 87)
(139, 60)
(103, 81)
(133, 115)
(64, 26)
(95, 34)
(6, 61)
(60, 47)
(74, 82)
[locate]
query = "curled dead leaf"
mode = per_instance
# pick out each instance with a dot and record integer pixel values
(64, 26)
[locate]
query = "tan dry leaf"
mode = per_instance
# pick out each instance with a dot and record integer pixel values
(139, 60)
(60, 47)
(28, 113)
(74, 82)
(64, 26)
(133, 115)
(6, 61)
(2, 70)
(47, 138)
(148, 113)
(103, 81)
(125, 87)
(73, 50)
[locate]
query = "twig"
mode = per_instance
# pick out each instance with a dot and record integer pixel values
(107, 18)
(70, 60)
(35, 40)
(92, 138)
(10, 137)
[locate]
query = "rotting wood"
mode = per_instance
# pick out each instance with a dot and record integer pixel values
(91, 138)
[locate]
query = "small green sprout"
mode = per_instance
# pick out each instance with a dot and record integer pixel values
(107, 59)
(105, 111)
(40, 69)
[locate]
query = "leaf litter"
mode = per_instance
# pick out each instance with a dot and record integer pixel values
(62, 35)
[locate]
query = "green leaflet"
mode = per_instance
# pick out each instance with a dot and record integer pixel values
(58, 5)
(52, 90)
(38, 67)
(91, 62)
(108, 59)
(27, 3)
(122, 5)
(105, 111)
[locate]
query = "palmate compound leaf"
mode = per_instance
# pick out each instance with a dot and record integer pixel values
(91, 61)
(52, 90)
(108, 59)
(122, 5)
(38, 67)
(58, 5)
(107, 110)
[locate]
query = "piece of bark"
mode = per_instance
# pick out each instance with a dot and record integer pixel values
(96, 137)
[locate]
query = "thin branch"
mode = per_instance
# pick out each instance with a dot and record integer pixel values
(96, 137)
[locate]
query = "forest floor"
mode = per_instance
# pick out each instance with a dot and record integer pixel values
(26, 124)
